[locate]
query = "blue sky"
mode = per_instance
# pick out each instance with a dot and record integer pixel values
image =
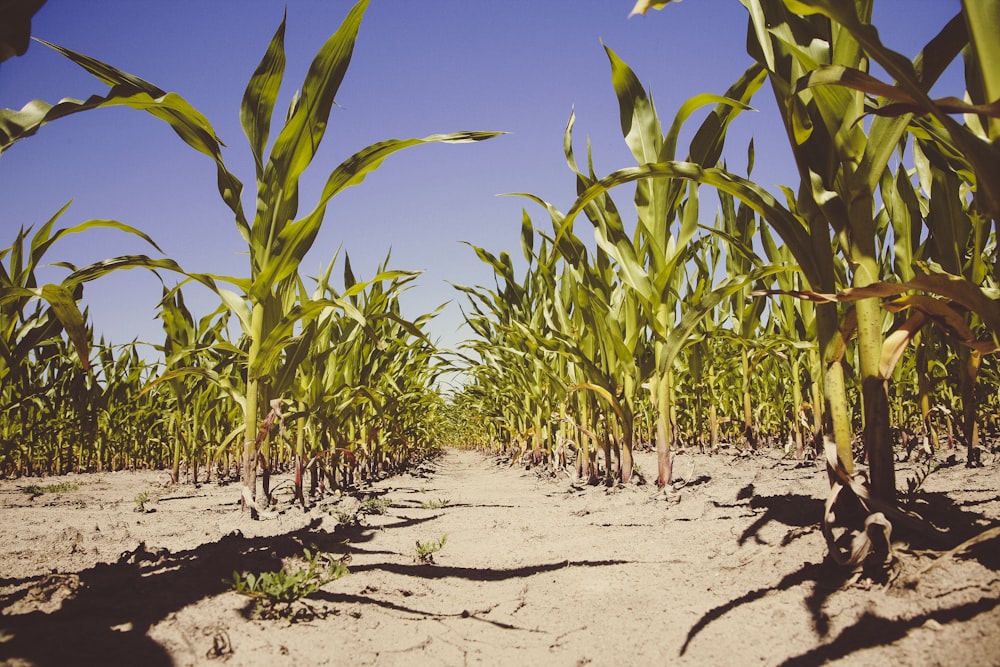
(420, 67)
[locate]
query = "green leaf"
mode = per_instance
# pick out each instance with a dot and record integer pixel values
(237, 306)
(134, 92)
(104, 267)
(299, 139)
(791, 229)
(221, 381)
(40, 245)
(295, 239)
(64, 306)
(692, 105)
(640, 124)
(353, 170)
(643, 6)
(260, 95)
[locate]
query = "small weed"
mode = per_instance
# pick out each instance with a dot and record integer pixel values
(435, 504)
(345, 518)
(426, 550)
(140, 502)
(376, 506)
(277, 592)
(34, 490)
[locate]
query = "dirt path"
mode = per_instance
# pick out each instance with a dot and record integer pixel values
(727, 571)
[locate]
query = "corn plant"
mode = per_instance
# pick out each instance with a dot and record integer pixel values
(26, 332)
(616, 322)
(795, 323)
(202, 392)
(266, 305)
(508, 321)
(955, 232)
(360, 382)
(652, 261)
(36, 362)
(809, 244)
(277, 242)
(816, 53)
(124, 90)
(650, 264)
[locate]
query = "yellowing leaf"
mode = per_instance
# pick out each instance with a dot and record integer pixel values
(643, 6)
(896, 342)
(950, 319)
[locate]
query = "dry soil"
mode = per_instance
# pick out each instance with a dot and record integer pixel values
(537, 569)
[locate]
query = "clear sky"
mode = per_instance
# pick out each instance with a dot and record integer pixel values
(420, 67)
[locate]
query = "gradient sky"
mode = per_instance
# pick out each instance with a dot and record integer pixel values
(420, 67)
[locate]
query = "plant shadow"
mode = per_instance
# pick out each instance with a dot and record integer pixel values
(106, 617)
(801, 512)
(871, 630)
(794, 511)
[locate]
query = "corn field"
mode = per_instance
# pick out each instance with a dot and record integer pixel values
(854, 315)
(288, 371)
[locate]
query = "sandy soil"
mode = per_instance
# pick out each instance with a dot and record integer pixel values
(728, 570)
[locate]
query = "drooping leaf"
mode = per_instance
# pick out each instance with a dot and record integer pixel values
(63, 304)
(131, 91)
(946, 316)
(897, 341)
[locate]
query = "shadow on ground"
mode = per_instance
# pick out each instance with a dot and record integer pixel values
(107, 610)
(827, 578)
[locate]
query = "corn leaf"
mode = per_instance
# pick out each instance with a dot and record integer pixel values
(131, 91)
(299, 139)
(64, 306)
(790, 227)
(260, 95)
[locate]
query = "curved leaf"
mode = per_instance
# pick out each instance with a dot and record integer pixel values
(789, 227)
(132, 91)
(64, 306)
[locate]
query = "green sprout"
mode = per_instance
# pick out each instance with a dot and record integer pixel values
(278, 591)
(426, 550)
